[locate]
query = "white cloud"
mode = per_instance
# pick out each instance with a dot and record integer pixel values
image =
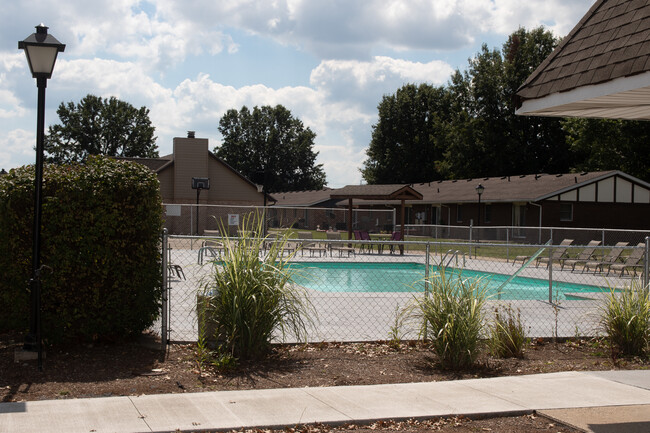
(16, 143)
(504, 16)
(340, 29)
(129, 48)
(362, 84)
(10, 106)
(105, 78)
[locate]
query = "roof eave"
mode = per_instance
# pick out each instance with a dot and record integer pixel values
(627, 97)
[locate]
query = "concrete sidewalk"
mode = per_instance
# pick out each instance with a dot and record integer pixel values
(560, 395)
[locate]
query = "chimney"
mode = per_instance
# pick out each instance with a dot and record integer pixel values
(190, 134)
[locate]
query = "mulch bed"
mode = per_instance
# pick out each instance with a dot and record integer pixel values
(135, 368)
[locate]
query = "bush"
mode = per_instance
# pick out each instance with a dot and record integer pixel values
(250, 298)
(507, 334)
(101, 224)
(625, 319)
(452, 315)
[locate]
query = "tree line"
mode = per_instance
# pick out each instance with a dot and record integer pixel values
(468, 128)
(464, 129)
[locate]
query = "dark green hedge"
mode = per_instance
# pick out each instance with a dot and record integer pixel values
(101, 225)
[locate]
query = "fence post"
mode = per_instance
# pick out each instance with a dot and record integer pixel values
(550, 274)
(427, 263)
(507, 245)
(470, 239)
(646, 264)
(164, 318)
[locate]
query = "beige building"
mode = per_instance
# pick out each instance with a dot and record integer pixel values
(192, 161)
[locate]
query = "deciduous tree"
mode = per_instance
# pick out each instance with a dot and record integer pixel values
(409, 139)
(97, 126)
(271, 147)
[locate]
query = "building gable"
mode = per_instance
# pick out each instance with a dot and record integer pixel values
(616, 187)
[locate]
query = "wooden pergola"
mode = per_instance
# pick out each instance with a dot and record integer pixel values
(376, 192)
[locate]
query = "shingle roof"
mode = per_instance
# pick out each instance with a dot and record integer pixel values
(377, 192)
(611, 41)
(302, 198)
(531, 187)
(153, 164)
(508, 189)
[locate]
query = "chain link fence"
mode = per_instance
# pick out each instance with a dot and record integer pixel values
(187, 219)
(359, 289)
(524, 235)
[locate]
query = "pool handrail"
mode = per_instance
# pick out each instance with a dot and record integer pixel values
(523, 266)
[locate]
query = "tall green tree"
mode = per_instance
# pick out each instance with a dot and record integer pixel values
(468, 128)
(97, 126)
(488, 139)
(541, 141)
(409, 140)
(271, 147)
(610, 145)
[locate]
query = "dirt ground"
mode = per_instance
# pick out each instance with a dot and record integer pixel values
(135, 368)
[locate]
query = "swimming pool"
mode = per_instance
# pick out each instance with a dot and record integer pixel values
(349, 277)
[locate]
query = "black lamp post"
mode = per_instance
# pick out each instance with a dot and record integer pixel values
(479, 190)
(41, 50)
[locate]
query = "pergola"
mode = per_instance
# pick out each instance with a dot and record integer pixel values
(601, 69)
(376, 192)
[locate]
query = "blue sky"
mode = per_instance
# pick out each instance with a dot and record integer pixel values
(188, 61)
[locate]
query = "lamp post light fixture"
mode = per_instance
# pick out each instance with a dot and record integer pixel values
(479, 190)
(41, 50)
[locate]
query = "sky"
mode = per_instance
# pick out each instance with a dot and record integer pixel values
(189, 61)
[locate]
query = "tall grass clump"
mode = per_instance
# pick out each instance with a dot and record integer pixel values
(507, 337)
(625, 319)
(452, 316)
(249, 296)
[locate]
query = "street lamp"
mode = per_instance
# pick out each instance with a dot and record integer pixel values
(479, 190)
(41, 50)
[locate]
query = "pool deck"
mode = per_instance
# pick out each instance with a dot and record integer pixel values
(372, 316)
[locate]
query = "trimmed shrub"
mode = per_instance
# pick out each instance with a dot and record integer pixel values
(100, 238)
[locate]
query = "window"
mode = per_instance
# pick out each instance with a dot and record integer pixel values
(459, 214)
(566, 212)
(488, 213)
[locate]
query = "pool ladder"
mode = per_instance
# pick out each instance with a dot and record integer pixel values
(454, 255)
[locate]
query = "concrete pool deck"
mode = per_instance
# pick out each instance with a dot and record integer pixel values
(344, 316)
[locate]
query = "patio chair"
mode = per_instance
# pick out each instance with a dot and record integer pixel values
(302, 244)
(312, 247)
(176, 269)
(610, 259)
(340, 247)
(210, 248)
(631, 261)
(396, 236)
(365, 236)
(584, 256)
(558, 253)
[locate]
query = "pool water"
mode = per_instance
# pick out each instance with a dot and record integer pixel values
(350, 277)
